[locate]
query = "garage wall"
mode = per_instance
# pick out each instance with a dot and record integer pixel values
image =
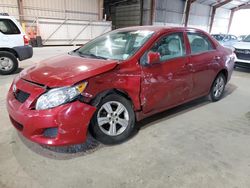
(199, 16)
(60, 22)
(9, 6)
(73, 9)
(170, 13)
(146, 12)
(221, 20)
(126, 14)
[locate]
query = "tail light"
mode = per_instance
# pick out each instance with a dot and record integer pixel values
(26, 40)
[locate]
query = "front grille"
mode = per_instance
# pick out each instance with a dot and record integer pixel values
(16, 124)
(242, 54)
(21, 96)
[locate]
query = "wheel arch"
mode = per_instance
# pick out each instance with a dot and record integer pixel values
(9, 50)
(224, 72)
(97, 99)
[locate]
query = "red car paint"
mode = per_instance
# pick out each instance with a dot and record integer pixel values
(151, 89)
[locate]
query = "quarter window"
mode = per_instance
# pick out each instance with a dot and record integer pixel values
(199, 43)
(8, 27)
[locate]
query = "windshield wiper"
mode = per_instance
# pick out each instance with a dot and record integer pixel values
(91, 55)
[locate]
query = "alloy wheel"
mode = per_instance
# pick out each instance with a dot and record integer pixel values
(218, 87)
(113, 118)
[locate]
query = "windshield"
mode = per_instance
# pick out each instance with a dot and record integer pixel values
(246, 39)
(119, 45)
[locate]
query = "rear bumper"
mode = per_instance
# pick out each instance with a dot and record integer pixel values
(70, 120)
(24, 52)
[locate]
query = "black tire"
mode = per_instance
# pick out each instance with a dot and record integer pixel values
(14, 62)
(212, 94)
(97, 131)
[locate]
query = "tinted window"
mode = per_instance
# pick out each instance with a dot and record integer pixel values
(8, 27)
(199, 43)
(170, 46)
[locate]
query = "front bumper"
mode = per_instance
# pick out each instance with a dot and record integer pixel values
(71, 120)
(242, 63)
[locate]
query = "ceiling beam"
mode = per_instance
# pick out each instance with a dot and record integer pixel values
(230, 21)
(242, 6)
(214, 8)
(222, 3)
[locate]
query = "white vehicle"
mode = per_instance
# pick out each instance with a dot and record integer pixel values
(14, 44)
(242, 51)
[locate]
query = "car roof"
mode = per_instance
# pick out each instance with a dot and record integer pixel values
(6, 17)
(158, 28)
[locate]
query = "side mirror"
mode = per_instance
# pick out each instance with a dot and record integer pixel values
(153, 57)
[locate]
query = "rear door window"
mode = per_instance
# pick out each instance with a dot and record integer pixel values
(199, 43)
(8, 27)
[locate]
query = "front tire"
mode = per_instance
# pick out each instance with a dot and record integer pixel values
(218, 88)
(113, 121)
(8, 63)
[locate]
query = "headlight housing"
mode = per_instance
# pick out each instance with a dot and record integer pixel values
(59, 96)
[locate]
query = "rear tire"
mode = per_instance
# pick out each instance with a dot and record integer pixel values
(113, 121)
(8, 63)
(218, 88)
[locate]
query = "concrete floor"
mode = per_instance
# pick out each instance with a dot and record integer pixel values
(200, 144)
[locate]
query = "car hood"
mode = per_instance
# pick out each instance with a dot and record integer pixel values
(242, 45)
(66, 70)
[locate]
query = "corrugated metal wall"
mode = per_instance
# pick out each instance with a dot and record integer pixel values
(146, 9)
(221, 21)
(169, 12)
(60, 21)
(126, 15)
(9, 6)
(199, 16)
(72, 9)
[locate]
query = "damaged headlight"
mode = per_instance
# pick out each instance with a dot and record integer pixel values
(58, 96)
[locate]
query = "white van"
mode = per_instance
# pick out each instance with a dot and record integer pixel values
(14, 44)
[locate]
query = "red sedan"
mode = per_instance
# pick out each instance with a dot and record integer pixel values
(115, 80)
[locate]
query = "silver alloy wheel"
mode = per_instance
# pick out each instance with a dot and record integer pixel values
(6, 64)
(113, 118)
(219, 86)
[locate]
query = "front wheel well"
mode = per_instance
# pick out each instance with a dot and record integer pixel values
(224, 72)
(97, 99)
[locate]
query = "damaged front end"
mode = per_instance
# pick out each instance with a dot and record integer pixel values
(62, 125)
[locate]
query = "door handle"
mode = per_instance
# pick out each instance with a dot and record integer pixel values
(217, 57)
(189, 66)
(170, 76)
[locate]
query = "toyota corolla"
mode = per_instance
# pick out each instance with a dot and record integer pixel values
(115, 80)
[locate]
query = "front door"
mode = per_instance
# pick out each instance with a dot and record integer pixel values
(168, 82)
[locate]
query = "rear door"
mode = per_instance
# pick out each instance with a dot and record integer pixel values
(169, 81)
(204, 59)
